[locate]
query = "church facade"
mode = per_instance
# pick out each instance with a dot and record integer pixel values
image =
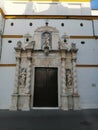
(48, 55)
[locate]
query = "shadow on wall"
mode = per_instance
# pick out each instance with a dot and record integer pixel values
(54, 7)
(51, 7)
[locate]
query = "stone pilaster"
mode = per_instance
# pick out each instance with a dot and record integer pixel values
(15, 94)
(64, 101)
(76, 105)
(17, 76)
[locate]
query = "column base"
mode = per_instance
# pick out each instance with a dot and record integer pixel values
(14, 105)
(64, 102)
(21, 102)
(76, 103)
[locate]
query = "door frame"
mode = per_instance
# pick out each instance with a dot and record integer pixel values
(58, 82)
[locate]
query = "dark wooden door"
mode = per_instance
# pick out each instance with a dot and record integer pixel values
(46, 87)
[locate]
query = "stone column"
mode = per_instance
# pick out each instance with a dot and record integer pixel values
(28, 79)
(63, 75)
(75, 88)
(68, 73)
(76, 105)
(69, 79)
(15, 95)
(17, 76)
(27, 95)
(64, 102)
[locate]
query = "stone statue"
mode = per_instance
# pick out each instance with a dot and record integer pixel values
(68, 78)
(46, 40)
(22, 76)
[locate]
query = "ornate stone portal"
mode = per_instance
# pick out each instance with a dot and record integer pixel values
(47, 50)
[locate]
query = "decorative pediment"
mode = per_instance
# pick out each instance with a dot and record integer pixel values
(46, 36)
(47, 28)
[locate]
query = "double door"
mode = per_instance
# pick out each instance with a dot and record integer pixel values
(46, 87)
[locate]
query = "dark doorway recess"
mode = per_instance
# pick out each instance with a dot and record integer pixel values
(46, 87)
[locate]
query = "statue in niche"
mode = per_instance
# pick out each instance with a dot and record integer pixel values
(68, 78)
(22, 77)
(46, 40)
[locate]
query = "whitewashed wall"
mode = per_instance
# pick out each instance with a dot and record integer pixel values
(7, 75)
(96, 27)
(71, 27)
(49, 8)
(88, 87)
(8, 52)
(87, 54)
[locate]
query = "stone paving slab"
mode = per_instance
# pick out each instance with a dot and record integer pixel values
(49, 120)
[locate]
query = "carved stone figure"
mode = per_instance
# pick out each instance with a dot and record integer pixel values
(22, 77)
(68, 78)
(30, 45)
(46, 40)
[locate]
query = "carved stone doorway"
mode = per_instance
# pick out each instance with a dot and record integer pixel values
(46, 87)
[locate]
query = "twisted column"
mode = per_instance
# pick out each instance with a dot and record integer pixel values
(28, 78)
(75, 88)
(17, 76)
(63, 75)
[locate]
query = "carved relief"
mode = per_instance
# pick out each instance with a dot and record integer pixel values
(22, 76)
(68, 78)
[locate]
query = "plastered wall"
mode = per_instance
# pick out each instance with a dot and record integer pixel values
(87, 55)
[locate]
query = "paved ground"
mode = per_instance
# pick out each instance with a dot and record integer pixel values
(49, 120)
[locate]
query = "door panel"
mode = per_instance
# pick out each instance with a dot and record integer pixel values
(45, 89)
